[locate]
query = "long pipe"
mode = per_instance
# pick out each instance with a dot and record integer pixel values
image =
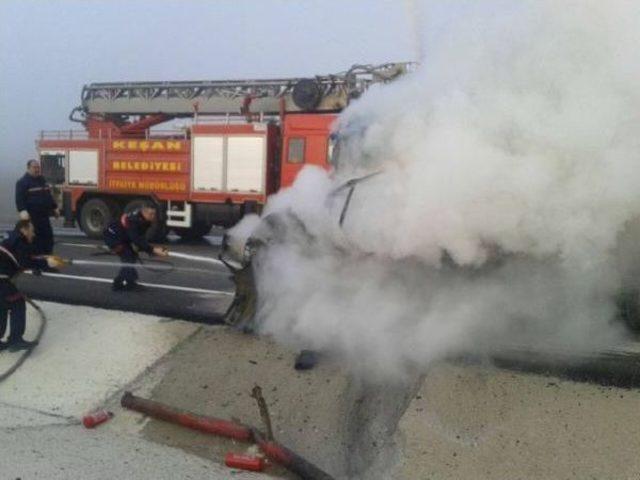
(216, 426)
(196, 258)
(273, 450)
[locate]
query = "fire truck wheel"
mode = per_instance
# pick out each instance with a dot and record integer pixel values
(197, 231)
(158, 231)
(95, 215)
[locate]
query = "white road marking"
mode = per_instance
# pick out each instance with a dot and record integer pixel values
(151, 285)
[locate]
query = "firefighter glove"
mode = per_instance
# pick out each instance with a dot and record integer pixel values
(54, 261)
(160, 251)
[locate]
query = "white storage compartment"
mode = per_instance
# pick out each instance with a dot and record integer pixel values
(246, 164)
(208, 163)
(83, 167)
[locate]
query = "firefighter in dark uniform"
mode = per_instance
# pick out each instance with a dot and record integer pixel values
(16, 254)
(126, 238)
(35, 202)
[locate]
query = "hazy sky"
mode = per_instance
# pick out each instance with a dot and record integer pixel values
(50, 48)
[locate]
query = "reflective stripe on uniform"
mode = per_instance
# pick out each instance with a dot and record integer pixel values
(38, 189)
(14, 297)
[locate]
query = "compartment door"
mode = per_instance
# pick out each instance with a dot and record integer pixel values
(246, 164)
(208, 163)
(83, 167)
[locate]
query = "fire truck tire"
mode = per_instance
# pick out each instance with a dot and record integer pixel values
(196, 232)
(158, 231)
(95, 215)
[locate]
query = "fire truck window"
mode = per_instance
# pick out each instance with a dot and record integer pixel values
(296, 150)
(53, 167)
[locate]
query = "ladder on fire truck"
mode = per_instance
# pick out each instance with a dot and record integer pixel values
(320, 94)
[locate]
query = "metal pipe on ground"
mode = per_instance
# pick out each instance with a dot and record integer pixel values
(290, 460)
(273, 450)
(216, 426)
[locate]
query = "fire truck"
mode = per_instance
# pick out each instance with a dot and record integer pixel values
(231, 144)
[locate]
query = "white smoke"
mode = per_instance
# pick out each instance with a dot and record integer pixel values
(510, 170)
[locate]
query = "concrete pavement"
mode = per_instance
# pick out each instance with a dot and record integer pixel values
(86, 356)
(64, 452)
(86, 359)
(452, 421)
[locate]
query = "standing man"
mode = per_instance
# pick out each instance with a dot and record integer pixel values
(17, 254)
(35, 202)
(126, 237)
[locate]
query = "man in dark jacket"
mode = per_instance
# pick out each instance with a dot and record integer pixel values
(17, 254)
(35, 202)
(126, 237)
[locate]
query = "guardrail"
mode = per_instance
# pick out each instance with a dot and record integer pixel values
(84, 135)
(64, 135)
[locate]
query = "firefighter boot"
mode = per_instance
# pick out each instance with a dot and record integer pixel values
(21, 344)
(134, 287)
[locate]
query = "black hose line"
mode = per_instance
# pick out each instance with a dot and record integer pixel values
(27, 352)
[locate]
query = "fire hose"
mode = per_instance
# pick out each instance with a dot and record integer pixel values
(43, 325)
(104, 250)
(224, 428)
(151, 265)
(163, 265)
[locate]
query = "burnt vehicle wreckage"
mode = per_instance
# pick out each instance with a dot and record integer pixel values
(285, 227)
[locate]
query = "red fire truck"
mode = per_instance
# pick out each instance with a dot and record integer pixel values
(231, 144)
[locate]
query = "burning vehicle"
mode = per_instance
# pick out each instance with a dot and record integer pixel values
(283, 233)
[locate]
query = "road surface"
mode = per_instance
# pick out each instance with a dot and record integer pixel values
(201, 292)
(86, 358)
(182, 289)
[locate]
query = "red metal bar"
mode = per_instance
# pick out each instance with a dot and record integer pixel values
(273, 450)
(202, 423)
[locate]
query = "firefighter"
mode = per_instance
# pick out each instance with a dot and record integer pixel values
(35, 202)
(16, 254)
(126, 238)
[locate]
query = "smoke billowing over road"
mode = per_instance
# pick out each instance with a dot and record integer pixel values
(510, 180)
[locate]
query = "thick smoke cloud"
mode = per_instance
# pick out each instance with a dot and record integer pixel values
(505, 208)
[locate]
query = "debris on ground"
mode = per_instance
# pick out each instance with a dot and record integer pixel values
(94, 419)
(306, 360)
(274, 451)
(244, 462)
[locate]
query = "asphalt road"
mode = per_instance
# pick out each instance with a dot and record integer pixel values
(184, 289)
(201, 292)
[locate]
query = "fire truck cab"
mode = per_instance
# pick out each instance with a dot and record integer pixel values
(231, 144)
